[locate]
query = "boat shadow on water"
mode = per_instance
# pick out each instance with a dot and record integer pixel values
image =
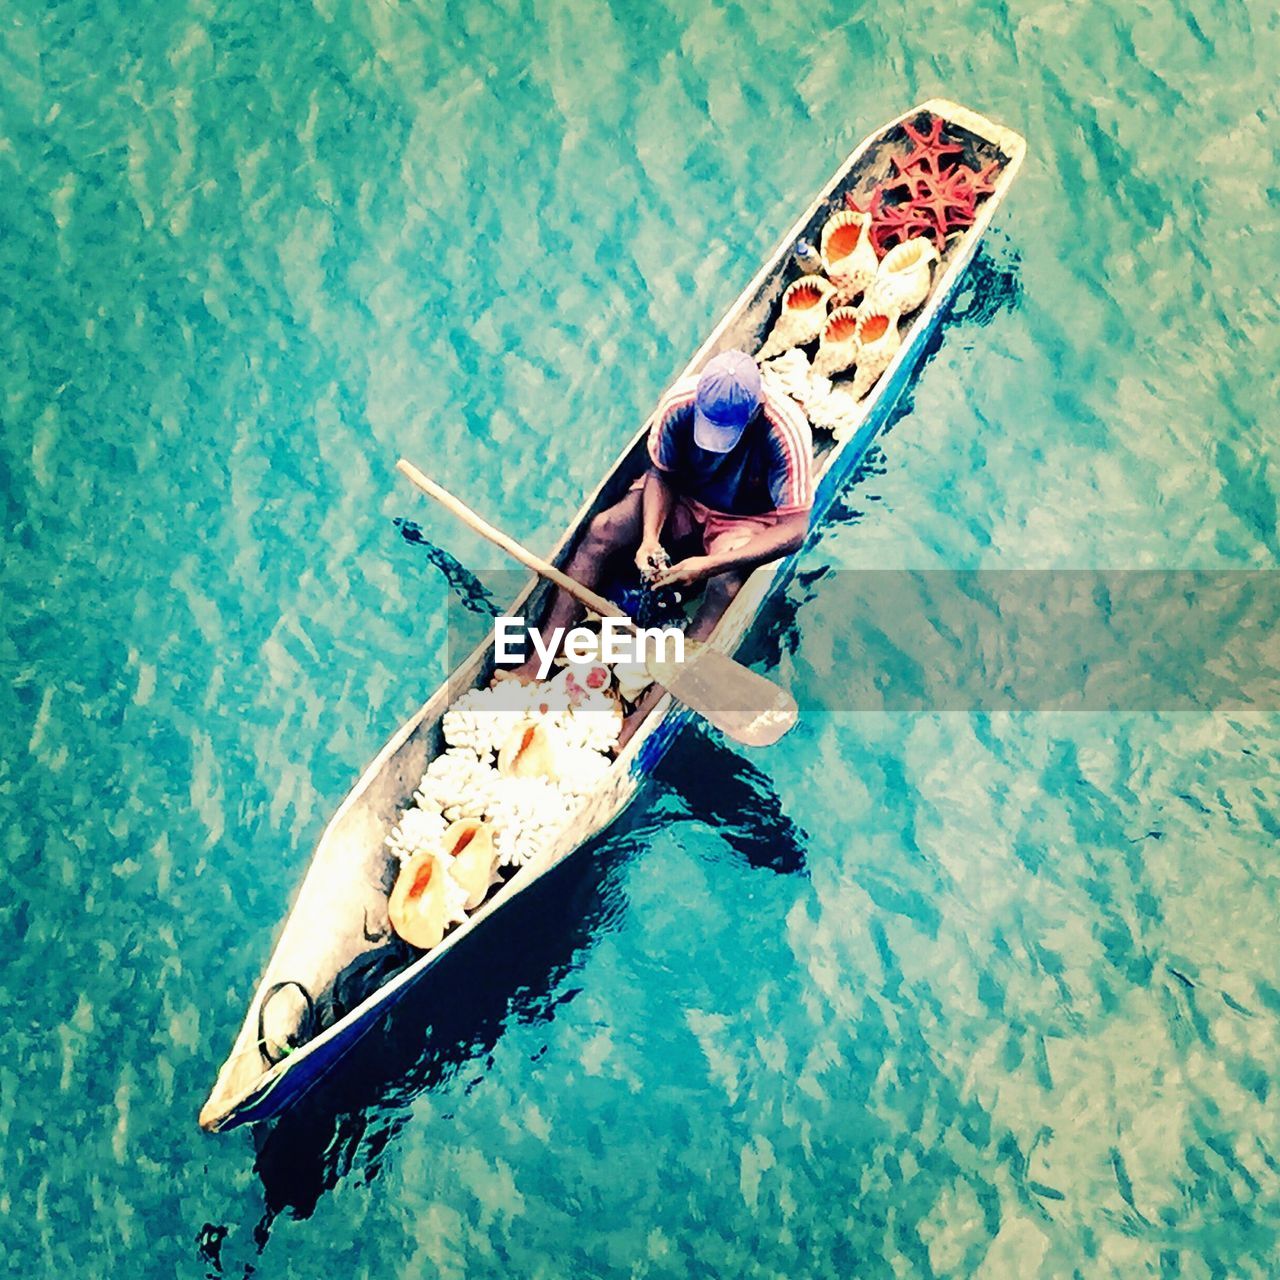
(348, 1120)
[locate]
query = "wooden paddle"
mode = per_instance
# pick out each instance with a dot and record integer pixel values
(741, 702)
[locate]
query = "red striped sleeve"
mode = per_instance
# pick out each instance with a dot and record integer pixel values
(662, 451)
(792, 485)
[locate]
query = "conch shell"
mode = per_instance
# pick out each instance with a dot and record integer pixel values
(878, 341)
(529, 752)
(420, 907)
(903, 279)
(847, 253)
(469, 846)
(838, 349)
(804, 309)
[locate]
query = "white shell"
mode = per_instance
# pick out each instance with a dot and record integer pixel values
(838, 349)
(419, 829)
(458, 784)
(582, 770)
(850, 261)
(792, 375)
(838, 413)
(800, 320)
(904, 277)
(528, 814)
(597, 726)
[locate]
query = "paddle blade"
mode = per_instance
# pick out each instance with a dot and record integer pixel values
(742, 703)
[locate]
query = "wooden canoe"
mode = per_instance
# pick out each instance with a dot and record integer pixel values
(338, 933)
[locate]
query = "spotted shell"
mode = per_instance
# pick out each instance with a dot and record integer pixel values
(878, 342)
(800, 320)
(838, 349)
(903, 278)
(847, 254)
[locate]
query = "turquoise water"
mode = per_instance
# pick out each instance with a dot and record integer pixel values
(906, 995)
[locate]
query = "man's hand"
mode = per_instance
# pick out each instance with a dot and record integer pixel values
(651, 558)
(686, 572)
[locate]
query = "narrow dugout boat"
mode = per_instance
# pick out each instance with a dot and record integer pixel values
(338, 967)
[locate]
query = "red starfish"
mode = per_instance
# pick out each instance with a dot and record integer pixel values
(904, 177)
(873, 202)
(947, 202)
(982, 183)
(899, 222)
(929, 148)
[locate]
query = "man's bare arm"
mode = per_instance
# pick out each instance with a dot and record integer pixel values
(778, 540)
(657, 501)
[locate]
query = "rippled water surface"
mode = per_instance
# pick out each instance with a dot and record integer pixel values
(906, 995)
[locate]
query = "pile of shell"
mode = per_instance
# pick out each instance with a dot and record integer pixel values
(861, 339)
(869, 281)
(519, 763)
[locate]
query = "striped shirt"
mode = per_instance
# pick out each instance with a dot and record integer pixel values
(768, 472)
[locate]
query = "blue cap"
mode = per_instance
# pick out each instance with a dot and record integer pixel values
(728, 394)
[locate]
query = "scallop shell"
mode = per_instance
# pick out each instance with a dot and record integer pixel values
(848, 255)
(878, 342)
(904, 277)
(800, 320)
(838, 349)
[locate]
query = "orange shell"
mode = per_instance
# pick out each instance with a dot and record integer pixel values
(417, 904)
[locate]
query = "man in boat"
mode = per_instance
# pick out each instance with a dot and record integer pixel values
(729, 487)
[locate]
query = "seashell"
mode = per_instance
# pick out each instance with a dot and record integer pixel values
(838, 412)
(529, 752)
(789, 373)
(632, 679)
(848, 254)
(582, 770)
(424, 902)
(904, 277)
(878, 341)
(581, 681)
(792, 375)
(838, 349)
(418, 829)
(458, 784)
(800, 320)
(528, 815)
(596, 726)
(475, 721)
(468, 844)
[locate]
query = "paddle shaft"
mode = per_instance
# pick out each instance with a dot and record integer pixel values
(543, 568)
(744, 704)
